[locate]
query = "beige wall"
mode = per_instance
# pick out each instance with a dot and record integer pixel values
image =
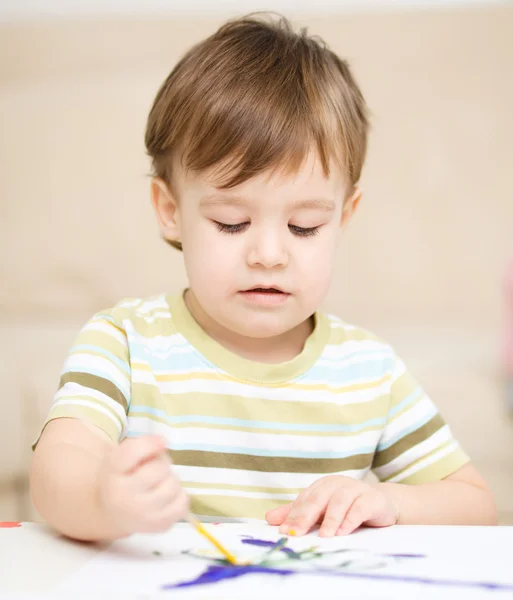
(421, 263)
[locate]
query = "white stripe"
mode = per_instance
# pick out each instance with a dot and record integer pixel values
(107, 327)
(92, 405)
(422, 464)
(81, 362)
(72, 388)
(156, 302)
(151, 318)
(439, 438)
(260, 441)
(416, 413)
(158, 342)
(239, 494)
(129, 303)
(248, 478)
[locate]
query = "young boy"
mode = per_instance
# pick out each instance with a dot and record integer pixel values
(239, 398)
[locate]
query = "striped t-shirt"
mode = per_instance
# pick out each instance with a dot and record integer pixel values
(243, 436)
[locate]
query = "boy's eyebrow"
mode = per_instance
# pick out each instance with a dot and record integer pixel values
(324, 204)
(219, 200)
(316, 203)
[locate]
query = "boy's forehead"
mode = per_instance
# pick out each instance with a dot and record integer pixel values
(309, 178)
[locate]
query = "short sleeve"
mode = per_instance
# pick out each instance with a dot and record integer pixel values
(95, 381)
(416, 446)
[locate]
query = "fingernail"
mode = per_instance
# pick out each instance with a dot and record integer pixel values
(326, 533)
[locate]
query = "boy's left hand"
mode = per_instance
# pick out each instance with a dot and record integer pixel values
(339, 503)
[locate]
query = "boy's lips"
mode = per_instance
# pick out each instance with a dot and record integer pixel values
(265, 295)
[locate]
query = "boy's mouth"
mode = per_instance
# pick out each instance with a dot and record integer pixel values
(265, 296)
(264, 290)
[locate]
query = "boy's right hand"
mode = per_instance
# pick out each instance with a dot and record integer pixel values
(137, 488)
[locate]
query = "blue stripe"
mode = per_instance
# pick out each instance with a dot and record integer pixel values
(251, 424)
(98, 350)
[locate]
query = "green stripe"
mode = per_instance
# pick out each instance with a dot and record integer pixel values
(269, 464)
(94, 382)
(421, 434)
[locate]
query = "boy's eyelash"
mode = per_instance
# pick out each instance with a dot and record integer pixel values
(304, 231)
(225, 228)
(238, 227)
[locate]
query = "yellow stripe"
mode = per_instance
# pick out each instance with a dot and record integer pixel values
(230, 506)
(261, 409)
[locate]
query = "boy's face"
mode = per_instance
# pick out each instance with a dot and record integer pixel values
(259, 256)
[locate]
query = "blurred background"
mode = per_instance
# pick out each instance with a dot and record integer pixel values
(423, 264)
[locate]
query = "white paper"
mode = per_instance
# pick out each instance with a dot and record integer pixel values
(454, 560)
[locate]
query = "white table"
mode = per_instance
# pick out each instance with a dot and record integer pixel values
(35, 563)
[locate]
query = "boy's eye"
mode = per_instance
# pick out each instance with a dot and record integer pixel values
(303, 231)
(226, 228)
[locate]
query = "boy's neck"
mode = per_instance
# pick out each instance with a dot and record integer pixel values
(273, 350)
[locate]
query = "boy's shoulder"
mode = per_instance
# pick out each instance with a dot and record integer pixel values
(349, 338)
(153, 310)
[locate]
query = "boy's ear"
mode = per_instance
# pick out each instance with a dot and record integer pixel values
(166, 210)
(350, 205)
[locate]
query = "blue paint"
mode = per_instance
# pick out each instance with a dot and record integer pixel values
(216, 573)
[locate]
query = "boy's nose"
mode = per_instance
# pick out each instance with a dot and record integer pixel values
(267, 251)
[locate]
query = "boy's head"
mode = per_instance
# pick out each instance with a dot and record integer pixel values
(257, 139)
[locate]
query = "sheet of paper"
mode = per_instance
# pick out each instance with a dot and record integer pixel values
(446, 562)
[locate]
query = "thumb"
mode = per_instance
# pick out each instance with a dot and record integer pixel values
(134, 452)
(276, 516)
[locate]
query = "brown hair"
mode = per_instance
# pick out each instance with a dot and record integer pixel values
(256, 95)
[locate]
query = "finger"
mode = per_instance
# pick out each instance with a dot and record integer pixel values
(361, 510)
(132, 453)
(338, 506)
(171, 513)
(306, 510)
(168, 492)
(151, 474)
(276, 516)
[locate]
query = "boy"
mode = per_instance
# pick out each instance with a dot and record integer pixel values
(263, 406)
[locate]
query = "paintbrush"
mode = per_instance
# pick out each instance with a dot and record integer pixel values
(206, 534)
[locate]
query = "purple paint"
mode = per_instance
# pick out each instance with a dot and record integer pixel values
(405, 555)
(251, 541)
(216, 573)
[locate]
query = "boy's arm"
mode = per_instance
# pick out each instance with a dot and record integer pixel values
(64, 479)
(462, 498)
(90, 488)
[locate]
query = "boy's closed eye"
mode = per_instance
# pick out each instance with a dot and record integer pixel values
(239, 227)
